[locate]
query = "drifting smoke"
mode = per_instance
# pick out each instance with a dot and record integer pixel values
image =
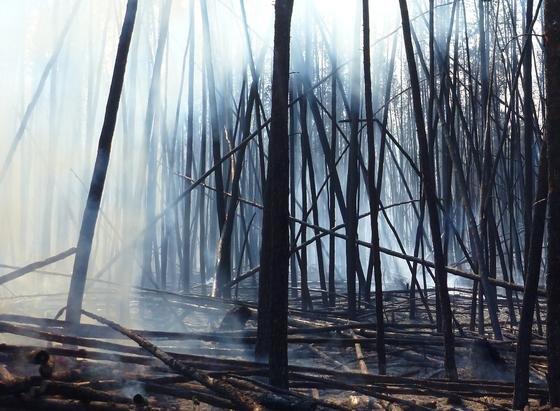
(45, 186)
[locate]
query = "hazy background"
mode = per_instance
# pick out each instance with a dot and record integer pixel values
(44, 190)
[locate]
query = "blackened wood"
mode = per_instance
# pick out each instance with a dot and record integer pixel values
(89, 219)
(373, 197)
(552, 129)
(525, 330)
(273, 281)
(428, 182)
(240, 399)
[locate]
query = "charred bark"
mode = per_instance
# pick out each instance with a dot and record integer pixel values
(552, 127)
(373, 197)
(533, 264)
(91, 211)
(273, 282)
(428, 183)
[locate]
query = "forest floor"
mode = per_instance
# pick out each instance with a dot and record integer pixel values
(44, 364)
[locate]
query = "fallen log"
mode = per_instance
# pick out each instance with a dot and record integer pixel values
(378, 394)
(18, 385)
(324, 231)
(96, 331)
(359, 353)
(391, 339)
(77, 392)
(20, 351)
(275, 397)
(328, 358)
(49, 404)
(303, 375)
(253, 368)
(238, 398)
(63, 339)
(189, 393)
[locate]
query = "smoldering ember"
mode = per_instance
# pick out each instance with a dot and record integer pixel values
(309, 204)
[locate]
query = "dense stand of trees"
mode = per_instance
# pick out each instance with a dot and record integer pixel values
(422, 152)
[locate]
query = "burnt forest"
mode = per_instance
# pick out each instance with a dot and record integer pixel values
(279, 205)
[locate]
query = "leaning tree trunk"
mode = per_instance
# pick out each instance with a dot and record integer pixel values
(223, 252)
(552, 125)
(428, 181)
(89, 219)
(273, 283)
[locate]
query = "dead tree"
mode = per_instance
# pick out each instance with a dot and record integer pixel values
(151, 147)
(352, 186)
(292, 154)
(332, 200)
(486, 211)
(528, 129)
(201, 200)
(223, 252)
(533, 264)
(305, 166)
(186, 266)
(273, 281)
(552, 125)
(214, 120)
(373, 198)
(428, 183)
(89, 219)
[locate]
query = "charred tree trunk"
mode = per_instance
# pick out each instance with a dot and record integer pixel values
(273, 282)
(223, 252)
(552, 125)
(533, 264)
(352, 185)
(332, 200)
(487, 256)
(186, 266)
(201, 199)
(528, 129)
(292, 155)
(373, 198)
(214, 120)
(428, 182)
(305, 166)
(89, 219)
